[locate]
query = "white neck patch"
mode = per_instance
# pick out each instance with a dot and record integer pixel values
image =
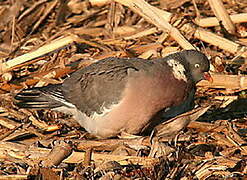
(177, 69)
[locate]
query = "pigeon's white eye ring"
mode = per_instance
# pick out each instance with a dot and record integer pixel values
(197, 65)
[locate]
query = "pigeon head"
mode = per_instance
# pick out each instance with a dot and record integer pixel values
(198, 65)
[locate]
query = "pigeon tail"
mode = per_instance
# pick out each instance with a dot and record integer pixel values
(47, 97)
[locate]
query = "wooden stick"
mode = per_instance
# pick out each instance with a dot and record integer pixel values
(212, 21)
(142, 33)
(226, 81)
(14, 177)
(10, 150)
(215, 40)
(157, 17)
(48, 48)
(60, 151)
(99, 2)
(222, 15)
(221, 42)
(5, 122)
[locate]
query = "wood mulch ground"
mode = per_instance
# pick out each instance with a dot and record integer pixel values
(42, 41)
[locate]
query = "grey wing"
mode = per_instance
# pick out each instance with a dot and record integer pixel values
(97, 86)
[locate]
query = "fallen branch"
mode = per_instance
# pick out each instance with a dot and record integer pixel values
(234, 82)
(59, 152)
(212, 21)
(221, 42)
(48, 48)
(222, 15)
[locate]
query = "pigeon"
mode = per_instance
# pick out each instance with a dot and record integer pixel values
(124, 95)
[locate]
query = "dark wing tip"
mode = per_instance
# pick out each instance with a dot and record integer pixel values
(36, 98)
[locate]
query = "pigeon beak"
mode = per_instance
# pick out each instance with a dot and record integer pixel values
(207, 77)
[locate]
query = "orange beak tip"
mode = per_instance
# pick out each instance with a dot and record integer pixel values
(208, 77)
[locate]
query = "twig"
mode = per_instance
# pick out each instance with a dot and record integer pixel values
(5, 122)
(59, 152)
(212, 21)
(221, 42)
(54, 45)
(157, 17)
(226, 81)
(222, 15)
(14, 177)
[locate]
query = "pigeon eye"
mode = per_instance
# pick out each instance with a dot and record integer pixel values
(197, 65)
